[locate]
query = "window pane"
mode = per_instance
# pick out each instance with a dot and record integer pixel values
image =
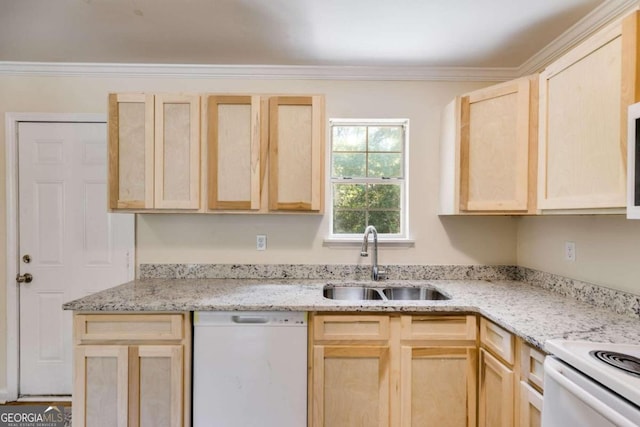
(349, 196)
(385, 221)
(348, 221)
(349, 138)
(385, 164)
(385, 138)
(348, 165)
(383, 196)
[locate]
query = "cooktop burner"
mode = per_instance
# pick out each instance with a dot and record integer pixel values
(624, 362)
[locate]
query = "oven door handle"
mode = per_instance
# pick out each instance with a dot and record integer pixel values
(591, 401)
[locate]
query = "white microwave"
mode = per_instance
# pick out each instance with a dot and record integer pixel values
(633, 162)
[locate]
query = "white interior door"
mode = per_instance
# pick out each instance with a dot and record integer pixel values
(74, 246)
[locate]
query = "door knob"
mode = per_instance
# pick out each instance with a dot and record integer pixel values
(25, 278)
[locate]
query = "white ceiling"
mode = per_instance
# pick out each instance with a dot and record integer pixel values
(425, 33)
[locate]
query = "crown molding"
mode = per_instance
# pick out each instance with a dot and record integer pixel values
(62, 69)
(607, 12)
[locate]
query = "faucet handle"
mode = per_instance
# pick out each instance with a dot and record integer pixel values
(378, 274)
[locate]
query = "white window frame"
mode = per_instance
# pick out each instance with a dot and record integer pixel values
(403, 236)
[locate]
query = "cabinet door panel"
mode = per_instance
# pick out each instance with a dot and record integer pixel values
(532, 365)
(177, 152)
(530, 406)
(439, 328)
(92, 328)
(131, 151)
(100, 395)
(582, 153)
(438, 386)
(496, 393)
(157, 372)
(354, 328)
(498, 340)
(494, 148)
(296, 130)
(350, 386)
(234, 131)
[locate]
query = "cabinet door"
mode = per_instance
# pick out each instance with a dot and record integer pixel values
(582, 145)
(500, 341)
(438, 386)
(532, 365)
(494, 148)
(234, 146)
(131, 151)
(177, 152)
(530, 406)
(156, 388)
(101, 386)
(296, 153)
(495, 403)
(350, 386)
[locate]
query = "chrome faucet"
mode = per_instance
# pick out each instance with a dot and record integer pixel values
(376, 274)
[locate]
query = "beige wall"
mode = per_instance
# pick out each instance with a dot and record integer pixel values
(225, 239)
(607, 248)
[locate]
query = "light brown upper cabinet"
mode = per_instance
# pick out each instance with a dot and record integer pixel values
(583, 102)
(154, 152)
(131, 151)
(235, 143)
(296, 153)
(489, 150)
(177, 157)
(260, 153)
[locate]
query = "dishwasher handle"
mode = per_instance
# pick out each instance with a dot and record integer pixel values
(249, 320)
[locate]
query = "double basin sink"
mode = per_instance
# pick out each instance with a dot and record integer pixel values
(369, 293)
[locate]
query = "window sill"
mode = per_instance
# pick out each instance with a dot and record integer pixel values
(354, 242)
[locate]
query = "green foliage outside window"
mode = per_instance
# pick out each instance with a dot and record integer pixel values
(367, 173)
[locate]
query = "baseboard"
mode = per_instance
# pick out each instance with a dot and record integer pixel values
(47, 398)
(4, 394)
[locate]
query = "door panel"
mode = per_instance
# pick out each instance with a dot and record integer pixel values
(76, 248)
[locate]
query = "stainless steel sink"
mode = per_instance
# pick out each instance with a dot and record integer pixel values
(366, 293)
(352, 293)
(411, 293)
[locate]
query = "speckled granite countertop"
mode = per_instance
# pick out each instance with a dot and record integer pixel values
(533, 313)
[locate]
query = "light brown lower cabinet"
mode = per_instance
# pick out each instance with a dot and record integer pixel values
(132, 370)
(496, 397)
(530, 406)
(351, 386)
(531, 386)
(392, 370)
(438, 386)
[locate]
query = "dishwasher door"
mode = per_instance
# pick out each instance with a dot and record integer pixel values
(250, 369)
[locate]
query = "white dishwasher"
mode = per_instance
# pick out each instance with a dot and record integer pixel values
(249, 369)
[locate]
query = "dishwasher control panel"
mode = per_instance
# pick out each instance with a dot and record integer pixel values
(273, 318)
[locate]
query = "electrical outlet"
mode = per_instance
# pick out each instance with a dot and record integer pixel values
(569, 251)
(261, 242)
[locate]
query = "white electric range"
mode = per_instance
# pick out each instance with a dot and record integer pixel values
(591, 384)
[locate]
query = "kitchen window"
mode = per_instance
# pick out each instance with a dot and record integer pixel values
(369, 177)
